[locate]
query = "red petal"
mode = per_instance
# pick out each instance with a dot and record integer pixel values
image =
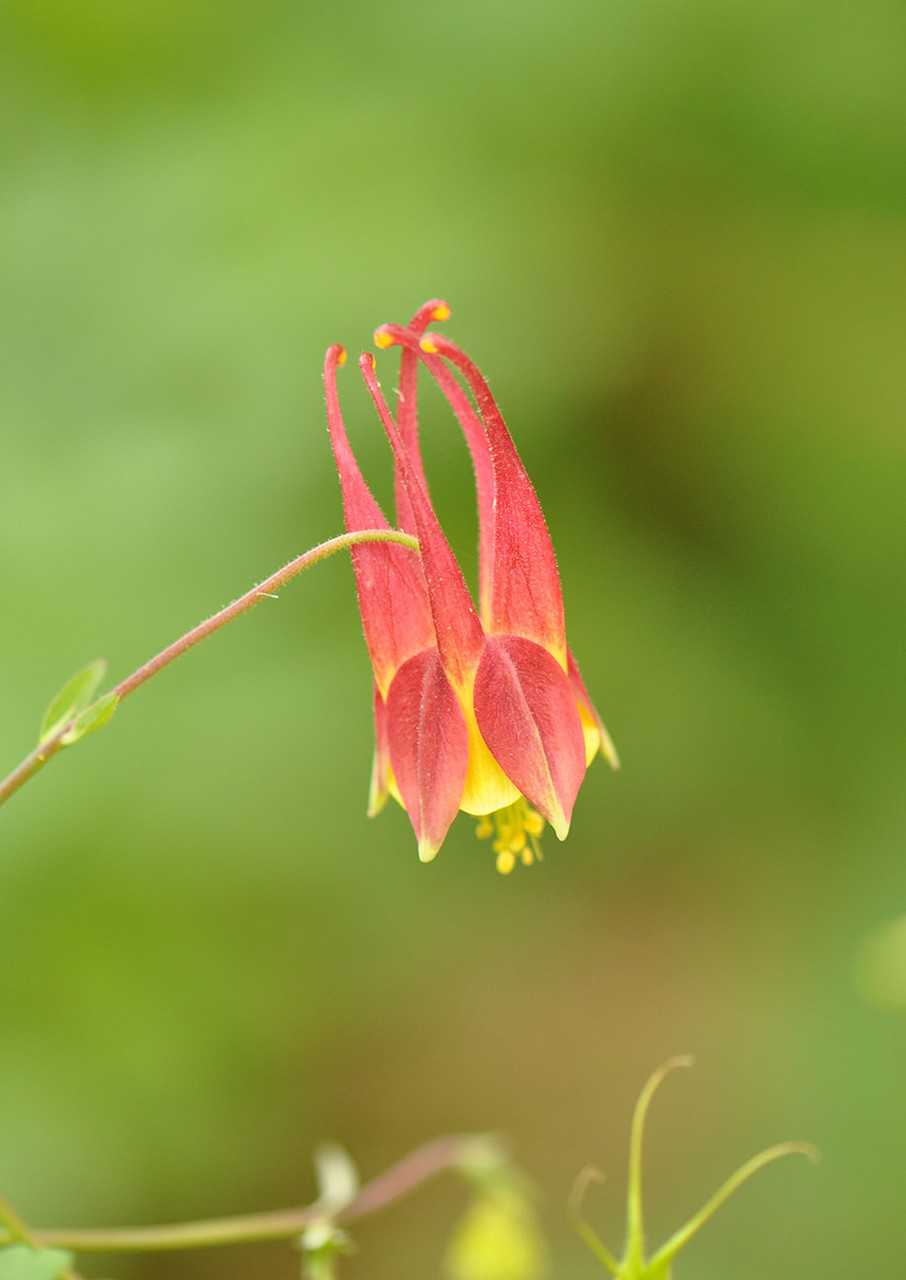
(525, 595)
(406, 413)
(605, 744)
(429, 747)
(476, 439)
(393, 598)
(457, 630)
(526, 711)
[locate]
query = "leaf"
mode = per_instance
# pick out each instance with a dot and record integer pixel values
(75, 695)
(22, 1262)
(93, 717)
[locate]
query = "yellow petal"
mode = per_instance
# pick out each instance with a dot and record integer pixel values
(487, 786)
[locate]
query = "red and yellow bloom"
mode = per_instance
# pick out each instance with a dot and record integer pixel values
(482, 711)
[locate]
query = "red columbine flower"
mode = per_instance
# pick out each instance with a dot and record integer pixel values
(486, 711)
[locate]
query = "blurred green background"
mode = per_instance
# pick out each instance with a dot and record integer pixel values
(673, 236)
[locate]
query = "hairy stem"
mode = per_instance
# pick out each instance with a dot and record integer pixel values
(401, 1178)
(37, 759)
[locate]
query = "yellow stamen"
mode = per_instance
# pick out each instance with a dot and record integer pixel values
(427, 344)
(534, 823)
(382, 340)
(441, 313)
(516, 829)
(341, 356)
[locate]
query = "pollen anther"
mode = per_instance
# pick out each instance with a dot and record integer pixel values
(516, 829)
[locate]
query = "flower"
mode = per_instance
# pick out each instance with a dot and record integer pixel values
(482, 710)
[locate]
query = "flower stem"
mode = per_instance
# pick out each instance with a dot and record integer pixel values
(43, 752)
(633, 1263)
(15, 1227)
(401, 1178)
(679, 1239)
(17, 1230)
(584, 1230)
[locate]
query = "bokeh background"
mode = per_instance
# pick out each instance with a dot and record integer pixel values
(673, 236)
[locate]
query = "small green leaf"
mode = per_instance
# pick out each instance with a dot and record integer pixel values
(22, 1262)
(93, 717)
(74, 697)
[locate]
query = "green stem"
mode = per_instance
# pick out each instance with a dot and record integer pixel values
(16, 1230)
(38, 758)
(635, 1227)
(583, 1228)
(15, 1227)
(668, 1251)
(401, 1178)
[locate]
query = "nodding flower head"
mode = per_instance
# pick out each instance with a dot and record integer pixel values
(476, 709)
